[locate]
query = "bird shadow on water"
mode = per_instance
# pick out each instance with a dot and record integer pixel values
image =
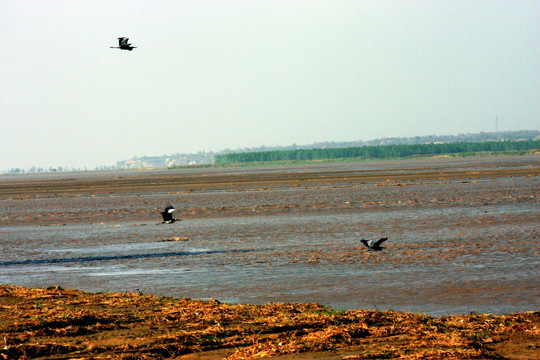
(123, 257)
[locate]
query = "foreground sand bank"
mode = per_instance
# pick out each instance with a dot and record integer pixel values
(62, 323)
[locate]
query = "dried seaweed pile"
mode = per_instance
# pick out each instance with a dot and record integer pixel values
(58, 323)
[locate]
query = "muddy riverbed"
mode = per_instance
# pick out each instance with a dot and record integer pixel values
(463, 234)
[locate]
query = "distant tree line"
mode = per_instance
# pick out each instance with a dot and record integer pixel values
(426, 139)
(377, 152)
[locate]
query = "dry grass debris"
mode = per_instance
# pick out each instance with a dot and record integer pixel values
(177, 238)
(63, 323)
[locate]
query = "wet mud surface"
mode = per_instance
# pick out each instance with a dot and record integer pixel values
(463, 234)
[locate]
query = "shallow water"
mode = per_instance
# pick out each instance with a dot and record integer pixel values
(437, 261)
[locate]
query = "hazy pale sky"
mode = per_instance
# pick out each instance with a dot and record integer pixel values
(210, 75)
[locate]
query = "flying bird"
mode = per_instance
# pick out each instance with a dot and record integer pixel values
(168, 215)
(123, 44)
(374, 245)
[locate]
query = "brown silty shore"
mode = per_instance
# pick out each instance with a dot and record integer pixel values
(493, 213)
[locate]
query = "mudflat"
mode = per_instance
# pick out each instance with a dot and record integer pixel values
(130, 195)
(268, 242)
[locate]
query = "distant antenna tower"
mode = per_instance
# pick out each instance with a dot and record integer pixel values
(496, 124)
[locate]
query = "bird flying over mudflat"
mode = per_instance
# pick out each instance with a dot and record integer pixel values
(167, 215)
(374, 245)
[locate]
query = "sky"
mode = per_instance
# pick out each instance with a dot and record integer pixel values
(214, 75)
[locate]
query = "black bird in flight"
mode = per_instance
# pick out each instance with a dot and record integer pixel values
(374, 245)
(168, 215)
(123, 44)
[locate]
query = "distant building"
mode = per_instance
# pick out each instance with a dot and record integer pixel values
(166, 161)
